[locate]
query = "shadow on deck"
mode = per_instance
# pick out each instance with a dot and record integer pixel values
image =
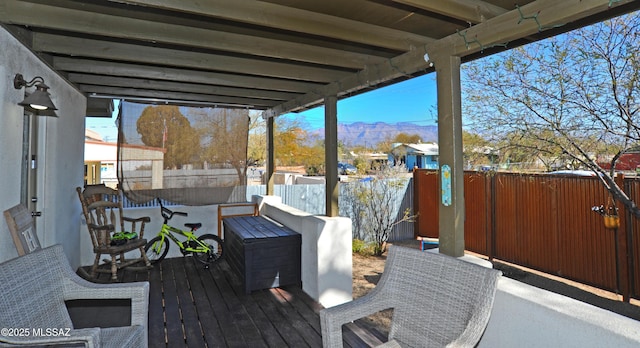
(190, 306)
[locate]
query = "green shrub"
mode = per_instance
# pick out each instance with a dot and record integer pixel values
(363, 248)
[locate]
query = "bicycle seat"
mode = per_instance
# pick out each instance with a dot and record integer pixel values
(193, 226)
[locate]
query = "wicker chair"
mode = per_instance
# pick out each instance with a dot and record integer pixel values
(102, 210)
(33, 291)
(437, 301)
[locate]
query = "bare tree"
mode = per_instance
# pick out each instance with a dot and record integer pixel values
(257, 145)
(374, 204)
(574, 97)
(224, 132)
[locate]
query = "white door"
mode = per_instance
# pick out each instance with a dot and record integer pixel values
(28, 189)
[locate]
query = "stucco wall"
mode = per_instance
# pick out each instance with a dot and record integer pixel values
(61, 149)
(525, 316)
(326, 250)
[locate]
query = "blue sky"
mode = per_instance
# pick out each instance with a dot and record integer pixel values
(412, 101)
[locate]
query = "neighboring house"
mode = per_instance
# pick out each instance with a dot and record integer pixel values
(482, 158)
(423, 155)
(376, 160)
(628, 161)
(100, 161)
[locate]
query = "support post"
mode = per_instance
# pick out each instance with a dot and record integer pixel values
(452, 214)
(271, 164)
(331, 154)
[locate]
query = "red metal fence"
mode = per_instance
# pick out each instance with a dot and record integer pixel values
(544, 222)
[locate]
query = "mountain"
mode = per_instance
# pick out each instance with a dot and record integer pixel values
(370, 134)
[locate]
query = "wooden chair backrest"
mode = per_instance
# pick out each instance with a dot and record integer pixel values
(101, 206)
(22, 228)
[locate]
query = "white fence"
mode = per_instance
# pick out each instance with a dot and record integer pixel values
(311, 199)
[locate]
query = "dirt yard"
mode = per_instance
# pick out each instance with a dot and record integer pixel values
(366, 273)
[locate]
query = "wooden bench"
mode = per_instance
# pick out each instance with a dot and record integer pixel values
(263, 253)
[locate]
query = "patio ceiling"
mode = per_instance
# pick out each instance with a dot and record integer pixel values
(274, 55)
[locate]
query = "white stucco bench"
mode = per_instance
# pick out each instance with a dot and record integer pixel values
(326, 250)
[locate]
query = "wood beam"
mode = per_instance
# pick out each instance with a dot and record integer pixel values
(396, 67)
(171, 95)
(496, 31)
(289, 18)
(472, 11)
(51, 17)
(125, 82)
(271, 157)
(67, 45)
(512, 25)
(331, 154)
(450, 158)
(91, 66)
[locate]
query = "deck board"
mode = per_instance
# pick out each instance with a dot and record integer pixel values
(190, 306)
(156, 310)
(172, 310)
(188, 310)
(210, 328)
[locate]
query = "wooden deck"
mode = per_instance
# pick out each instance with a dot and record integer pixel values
(190, 306)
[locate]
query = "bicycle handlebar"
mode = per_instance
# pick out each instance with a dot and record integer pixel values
(167, 213)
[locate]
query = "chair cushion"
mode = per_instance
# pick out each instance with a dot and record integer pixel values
(121, 337)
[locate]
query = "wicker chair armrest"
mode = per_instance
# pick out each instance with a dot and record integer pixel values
(90, 337)
(78, 288)
(333, 318)
(480, 318)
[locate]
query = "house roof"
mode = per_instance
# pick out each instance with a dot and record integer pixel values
(427, 149)
(274, 55)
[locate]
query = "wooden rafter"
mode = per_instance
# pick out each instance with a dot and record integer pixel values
(288, 18)
(472, 11)
(496, 31)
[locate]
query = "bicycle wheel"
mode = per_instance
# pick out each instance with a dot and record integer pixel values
(215, 249)
(156, 253)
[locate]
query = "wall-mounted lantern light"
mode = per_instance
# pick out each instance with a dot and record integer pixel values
(38, 101)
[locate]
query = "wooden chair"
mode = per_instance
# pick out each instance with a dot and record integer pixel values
(22, 228)
(102, 208)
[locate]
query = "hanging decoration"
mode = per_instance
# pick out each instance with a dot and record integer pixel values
(609, 214)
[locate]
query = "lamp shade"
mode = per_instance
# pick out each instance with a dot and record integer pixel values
(36, 112)
(39, 99)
